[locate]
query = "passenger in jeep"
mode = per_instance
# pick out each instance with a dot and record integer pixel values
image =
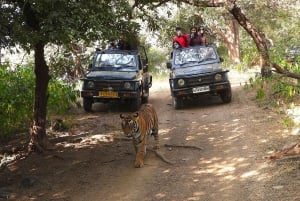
(112, 44)
(181, 38)
(123, 43)
(201, 35)
(193, 38)
(176, 45)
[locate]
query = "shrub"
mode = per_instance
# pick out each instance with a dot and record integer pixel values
(60, 97)
(17, 98)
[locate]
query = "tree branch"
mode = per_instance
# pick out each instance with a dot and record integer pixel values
(207, 3)
(279, 70)
(154, 4)
(198, 3)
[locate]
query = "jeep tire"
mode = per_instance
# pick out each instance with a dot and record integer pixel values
(136, 103)
(226, 95)
(177, 102)
(87, 104)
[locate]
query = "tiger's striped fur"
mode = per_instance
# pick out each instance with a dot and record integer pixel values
(139, 126)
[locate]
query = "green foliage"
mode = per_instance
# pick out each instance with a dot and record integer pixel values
(63, 21)
(60, 97)
(260, 94)
(16, 100)
(157, 61)
(68, 63)
(276, 90)
(17, 96)
(288, 122)
(248, 50)
(157, 58)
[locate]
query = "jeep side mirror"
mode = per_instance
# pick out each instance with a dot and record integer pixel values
(169, 65)
(90, 66)
(221, 59)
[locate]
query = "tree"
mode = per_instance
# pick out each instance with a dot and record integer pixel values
(33, 24)
(225, 27)
(259, 38)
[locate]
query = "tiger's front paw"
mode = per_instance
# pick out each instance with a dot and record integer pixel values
(138, 164)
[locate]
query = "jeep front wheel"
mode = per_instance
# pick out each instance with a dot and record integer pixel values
(226, 96)
(177, 103)
(87, 104)
(135, 104)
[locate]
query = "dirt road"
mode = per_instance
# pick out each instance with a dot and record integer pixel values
(93, 162)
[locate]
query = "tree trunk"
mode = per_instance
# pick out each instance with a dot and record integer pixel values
(39, 140)
(76, 51)
(259, 39)
(231, 39)
(234, 45)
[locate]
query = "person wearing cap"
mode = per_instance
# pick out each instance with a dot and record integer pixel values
(181, 38)
(112, 44)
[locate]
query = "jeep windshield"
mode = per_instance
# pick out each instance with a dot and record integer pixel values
(184, 57)
(115, 62)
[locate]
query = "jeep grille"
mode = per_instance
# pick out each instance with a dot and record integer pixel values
(109, 85)
(199, 80)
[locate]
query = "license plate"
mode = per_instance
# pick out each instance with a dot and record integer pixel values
(108, 94)
(200, 89)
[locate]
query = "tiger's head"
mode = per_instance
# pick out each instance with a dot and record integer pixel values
(129, 123)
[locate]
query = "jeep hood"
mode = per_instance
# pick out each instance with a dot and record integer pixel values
(117, 75)
(197, 69)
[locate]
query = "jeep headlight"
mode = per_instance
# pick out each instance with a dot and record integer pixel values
(181, 82)
(218, 77)
(90, 84)
(127, 85)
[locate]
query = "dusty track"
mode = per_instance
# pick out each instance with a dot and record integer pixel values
(95, 163)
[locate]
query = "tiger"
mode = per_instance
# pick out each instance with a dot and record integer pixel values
(139, 125)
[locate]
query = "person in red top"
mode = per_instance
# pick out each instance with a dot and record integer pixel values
(181, 38)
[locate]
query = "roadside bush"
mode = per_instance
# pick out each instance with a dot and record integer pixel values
(60, 97)
(17, 98)
(275, 91)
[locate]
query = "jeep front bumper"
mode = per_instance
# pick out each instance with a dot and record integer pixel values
(106, 95)
(211, 88)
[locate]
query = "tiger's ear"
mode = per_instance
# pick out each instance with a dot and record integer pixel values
(136, 114)
(122, 116)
